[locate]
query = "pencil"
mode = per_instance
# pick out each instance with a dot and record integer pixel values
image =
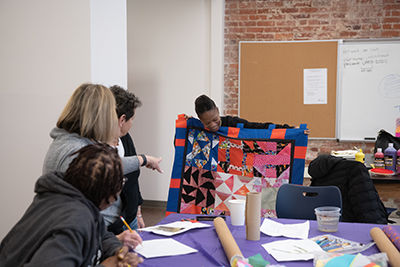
(127, 226)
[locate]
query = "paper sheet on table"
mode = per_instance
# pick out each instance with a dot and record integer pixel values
(174, 228)
(298, 230)
(163, 247)
(292, 250)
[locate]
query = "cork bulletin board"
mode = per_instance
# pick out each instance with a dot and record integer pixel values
(271, 84)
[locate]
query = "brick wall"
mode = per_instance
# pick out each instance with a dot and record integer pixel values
(274, 20)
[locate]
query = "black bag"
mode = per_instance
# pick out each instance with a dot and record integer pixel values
(383, 140)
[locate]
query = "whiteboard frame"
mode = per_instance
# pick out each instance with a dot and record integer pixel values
(341, 44)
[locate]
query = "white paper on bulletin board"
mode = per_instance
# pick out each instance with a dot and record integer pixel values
(315, 86)
(369, 80)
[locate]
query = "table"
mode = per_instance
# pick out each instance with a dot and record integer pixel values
(211, 253)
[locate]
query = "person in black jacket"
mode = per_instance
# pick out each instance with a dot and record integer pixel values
(208, 114)
(360, 200)
(63, 226)
(131, 198)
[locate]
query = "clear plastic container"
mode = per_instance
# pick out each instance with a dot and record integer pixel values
(328, 218)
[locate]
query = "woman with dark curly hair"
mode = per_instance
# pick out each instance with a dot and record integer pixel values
(63, 225)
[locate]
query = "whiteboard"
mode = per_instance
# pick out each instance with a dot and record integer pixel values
(369, 88)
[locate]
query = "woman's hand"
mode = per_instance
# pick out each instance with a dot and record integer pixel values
(129, 239)
(153, 163)
(140, 222)
(122, 258)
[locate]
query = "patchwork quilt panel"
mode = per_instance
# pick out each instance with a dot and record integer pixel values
(212, 168)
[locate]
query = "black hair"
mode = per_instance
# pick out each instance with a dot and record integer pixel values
(202, 104)
(127, 102)
(97, 172)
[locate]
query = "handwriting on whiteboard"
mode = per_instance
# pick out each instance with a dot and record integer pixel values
(364, 58)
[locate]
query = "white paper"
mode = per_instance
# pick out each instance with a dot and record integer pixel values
(180, 227)
(298, 230)
(315, 83)
(292, 250)
(163, 247)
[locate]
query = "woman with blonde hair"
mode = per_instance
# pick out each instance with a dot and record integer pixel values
(90, 117)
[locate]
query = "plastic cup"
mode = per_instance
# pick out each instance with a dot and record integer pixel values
(237, 206)
(328, 218)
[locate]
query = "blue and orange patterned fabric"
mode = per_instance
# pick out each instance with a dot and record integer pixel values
(212, 168)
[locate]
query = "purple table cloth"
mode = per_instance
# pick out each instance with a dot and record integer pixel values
(211, 253)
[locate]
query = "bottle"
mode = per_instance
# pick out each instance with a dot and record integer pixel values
(390, 158)
(398, 161)
(379, 159)
(360, 156)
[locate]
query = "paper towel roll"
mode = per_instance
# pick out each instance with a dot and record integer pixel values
(385, 245)
(253, 216)
(229, 244)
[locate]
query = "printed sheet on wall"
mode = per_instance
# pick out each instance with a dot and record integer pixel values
(212, 168)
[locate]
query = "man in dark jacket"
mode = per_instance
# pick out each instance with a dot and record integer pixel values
(361, 202)
(63, 226)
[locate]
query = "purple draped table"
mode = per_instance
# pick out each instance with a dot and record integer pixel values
(211, 253)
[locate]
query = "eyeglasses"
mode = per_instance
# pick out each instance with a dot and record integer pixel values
(124, 181)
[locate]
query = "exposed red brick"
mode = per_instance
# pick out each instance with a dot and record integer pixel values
(347, 34)
(248, 36)
(390, 34)
(247, 23)
(285, 23)
(301, 16)
(363, 18)
(276, 16)
(283, 36)
(376, 26)
(264, 11)
(264, 36)
(247, 11)
(257, 17)
(303, 4)
(314, 22)
(320, 16)
(239, 17)
(266, 23)
(269, 4)
(243, 5)
(392, 7)
(237, 30)
(290, 10)
(309, 10)
(391, 20)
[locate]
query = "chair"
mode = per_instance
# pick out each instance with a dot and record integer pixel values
(298, 202)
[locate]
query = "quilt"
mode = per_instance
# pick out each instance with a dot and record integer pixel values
(212, 168)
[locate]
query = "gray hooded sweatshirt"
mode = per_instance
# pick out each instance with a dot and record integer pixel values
(65, 143)
(60, 228)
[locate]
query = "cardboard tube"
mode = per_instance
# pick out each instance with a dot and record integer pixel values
(385, 245)
(253, 216)
(393, 235)
(232, 250)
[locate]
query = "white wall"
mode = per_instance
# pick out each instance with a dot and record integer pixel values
(175, 53)
(109, 42)
(45, 56)
(46, 52)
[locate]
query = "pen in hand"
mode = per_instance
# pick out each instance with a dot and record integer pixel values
(129, 228)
